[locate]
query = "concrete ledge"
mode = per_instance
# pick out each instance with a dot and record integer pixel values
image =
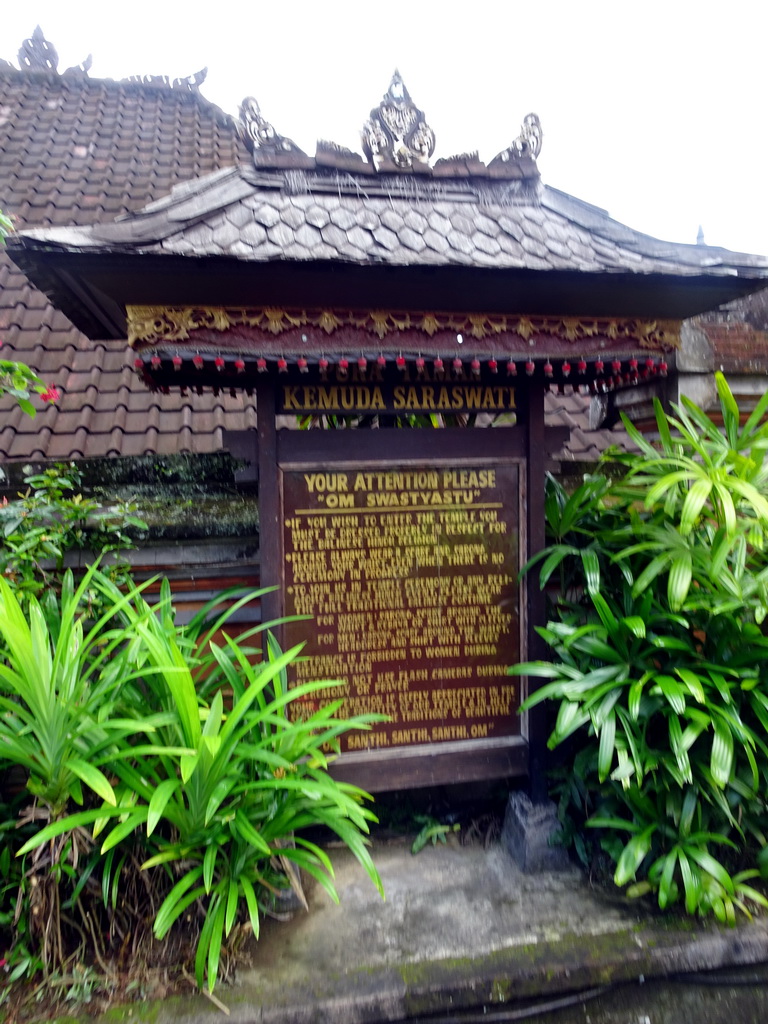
(462, 928)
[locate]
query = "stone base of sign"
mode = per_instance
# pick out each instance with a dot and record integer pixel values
(528, 829)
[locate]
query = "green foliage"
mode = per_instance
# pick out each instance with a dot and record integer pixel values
(61, 724)
(53, 518)
(19, 961)
(431, 831)
(252, 779)
(212, 787)
(16, 379)
(58, 696)
(400, 420)
(662, 661)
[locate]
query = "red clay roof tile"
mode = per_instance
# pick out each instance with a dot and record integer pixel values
(82, 151)
(79, 150)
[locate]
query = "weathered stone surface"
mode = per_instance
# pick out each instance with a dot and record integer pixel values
(462, 928)
(527, 834)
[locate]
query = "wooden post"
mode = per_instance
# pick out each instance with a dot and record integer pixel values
(270, 533)
(536, 599)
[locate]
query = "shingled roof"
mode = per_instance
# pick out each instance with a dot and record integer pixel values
(277, 232)
(79, 150)
(317, 214)
(149, 168)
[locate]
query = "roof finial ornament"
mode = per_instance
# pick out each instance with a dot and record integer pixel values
(258, 134)
(37, 54)
(396, 136)
(190, 83)
(81, 69)
(527, 143)
(700, 236)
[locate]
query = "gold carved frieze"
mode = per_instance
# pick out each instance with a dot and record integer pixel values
(157, 325)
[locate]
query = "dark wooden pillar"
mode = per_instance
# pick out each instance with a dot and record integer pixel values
(270, 533)
(535, 598)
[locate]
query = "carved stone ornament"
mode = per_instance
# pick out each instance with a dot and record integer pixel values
(258, 134)
(37, 54)
(189, 83)
(396, 132)
(334, 147)
(81, 70)
(527, 143)
(331, 154)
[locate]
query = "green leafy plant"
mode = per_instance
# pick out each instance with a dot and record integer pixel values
(224, 786)
(661, 675)
(432, 831)
(61, 721)
(16, 379)
(53, 518)
(255, 779)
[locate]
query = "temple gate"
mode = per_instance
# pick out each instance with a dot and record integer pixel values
(432, 307)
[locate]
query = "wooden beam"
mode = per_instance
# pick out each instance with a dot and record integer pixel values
(535, 598)
(433, 765)
(270, 527)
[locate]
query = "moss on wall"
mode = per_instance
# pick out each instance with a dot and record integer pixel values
(178, 496)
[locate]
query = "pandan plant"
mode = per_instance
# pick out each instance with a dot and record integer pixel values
(660, 658)
(210, 788)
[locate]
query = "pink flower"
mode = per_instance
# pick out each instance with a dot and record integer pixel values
(51, 394)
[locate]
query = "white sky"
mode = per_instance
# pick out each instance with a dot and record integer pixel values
(654, 110)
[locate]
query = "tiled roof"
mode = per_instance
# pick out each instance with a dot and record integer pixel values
(323, 215)
(584, 445)
(78, 150)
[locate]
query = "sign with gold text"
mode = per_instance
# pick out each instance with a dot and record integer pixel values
(410, 576)
(436, 397)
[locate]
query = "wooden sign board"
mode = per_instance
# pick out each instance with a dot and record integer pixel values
(410, 573)
(442, 397)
